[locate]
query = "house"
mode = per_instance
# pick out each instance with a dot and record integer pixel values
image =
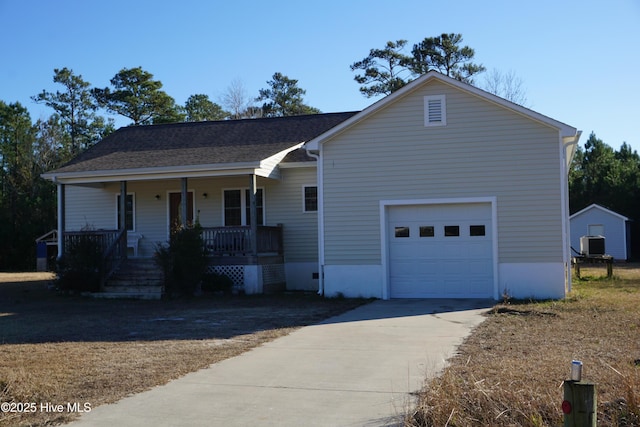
(596, 220)
(440, 190)
(212, 171)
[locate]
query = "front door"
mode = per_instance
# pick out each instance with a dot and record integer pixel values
(175, 219)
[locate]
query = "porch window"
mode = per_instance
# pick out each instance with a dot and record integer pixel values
(310, 194)
(237, 209)
(129, 214)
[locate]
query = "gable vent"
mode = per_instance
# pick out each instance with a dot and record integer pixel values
(435, 111)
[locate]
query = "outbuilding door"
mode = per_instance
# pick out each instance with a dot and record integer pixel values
(440, 251)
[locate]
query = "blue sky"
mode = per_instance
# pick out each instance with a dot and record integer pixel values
(578, 60)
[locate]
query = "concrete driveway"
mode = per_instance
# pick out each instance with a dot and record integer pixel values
(356, 369)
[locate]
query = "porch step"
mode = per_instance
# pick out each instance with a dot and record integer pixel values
(138, 289)
(138, 278)
(127, 295)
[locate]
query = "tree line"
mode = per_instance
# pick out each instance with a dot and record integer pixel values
(28, 149)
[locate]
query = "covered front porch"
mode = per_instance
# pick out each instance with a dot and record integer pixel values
(230, 210)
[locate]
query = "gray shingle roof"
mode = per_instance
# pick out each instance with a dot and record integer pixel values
(201, 143)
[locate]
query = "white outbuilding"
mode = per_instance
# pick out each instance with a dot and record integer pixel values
(596, 220)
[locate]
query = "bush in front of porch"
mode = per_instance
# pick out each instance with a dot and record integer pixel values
(215, 282)
(183, 260)
(80, 267)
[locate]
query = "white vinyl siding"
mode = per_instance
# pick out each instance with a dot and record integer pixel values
(89, 207)
(300, 228)
(484, 151)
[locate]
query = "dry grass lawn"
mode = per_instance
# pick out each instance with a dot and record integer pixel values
(510, 371)
(57, 349)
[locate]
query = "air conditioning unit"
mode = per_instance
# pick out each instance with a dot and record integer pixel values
(592, 245)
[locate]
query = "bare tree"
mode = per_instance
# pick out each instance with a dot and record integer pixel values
(506, 85)
(236, 100)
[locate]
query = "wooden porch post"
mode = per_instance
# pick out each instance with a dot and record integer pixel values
(253, 213)
(183, 203)
(61, 221)
(123, 213)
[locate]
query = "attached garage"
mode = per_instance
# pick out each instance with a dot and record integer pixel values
(440, 250)
(442, 190)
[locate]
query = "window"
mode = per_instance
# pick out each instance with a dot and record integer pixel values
(477, 230)
(435, 110)
(310, 194)
(451, 230)
(427, 231)
(232, 207)
(237, 209)
(596, 230)
(129, 213)
(402, 231)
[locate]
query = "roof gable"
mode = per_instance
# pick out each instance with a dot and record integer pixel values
(189, 145)
(569, 133)
(600, 208)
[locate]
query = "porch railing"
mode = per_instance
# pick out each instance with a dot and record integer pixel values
(237, 240)
(103, 238)
(113, 257)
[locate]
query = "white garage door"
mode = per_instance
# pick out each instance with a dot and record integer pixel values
(440, 251)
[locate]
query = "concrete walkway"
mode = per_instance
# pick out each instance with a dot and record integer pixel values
(356, 369)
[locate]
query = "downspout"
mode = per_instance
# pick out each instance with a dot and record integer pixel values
(320, 220)
(568, 145)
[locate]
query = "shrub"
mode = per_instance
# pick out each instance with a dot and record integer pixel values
(183, 260)
(214, 282)
(81, 265)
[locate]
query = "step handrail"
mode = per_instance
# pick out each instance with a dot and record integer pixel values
(113, 257)
(50, 237)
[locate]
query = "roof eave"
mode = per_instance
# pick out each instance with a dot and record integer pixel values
(144, 174)
(599, 207)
